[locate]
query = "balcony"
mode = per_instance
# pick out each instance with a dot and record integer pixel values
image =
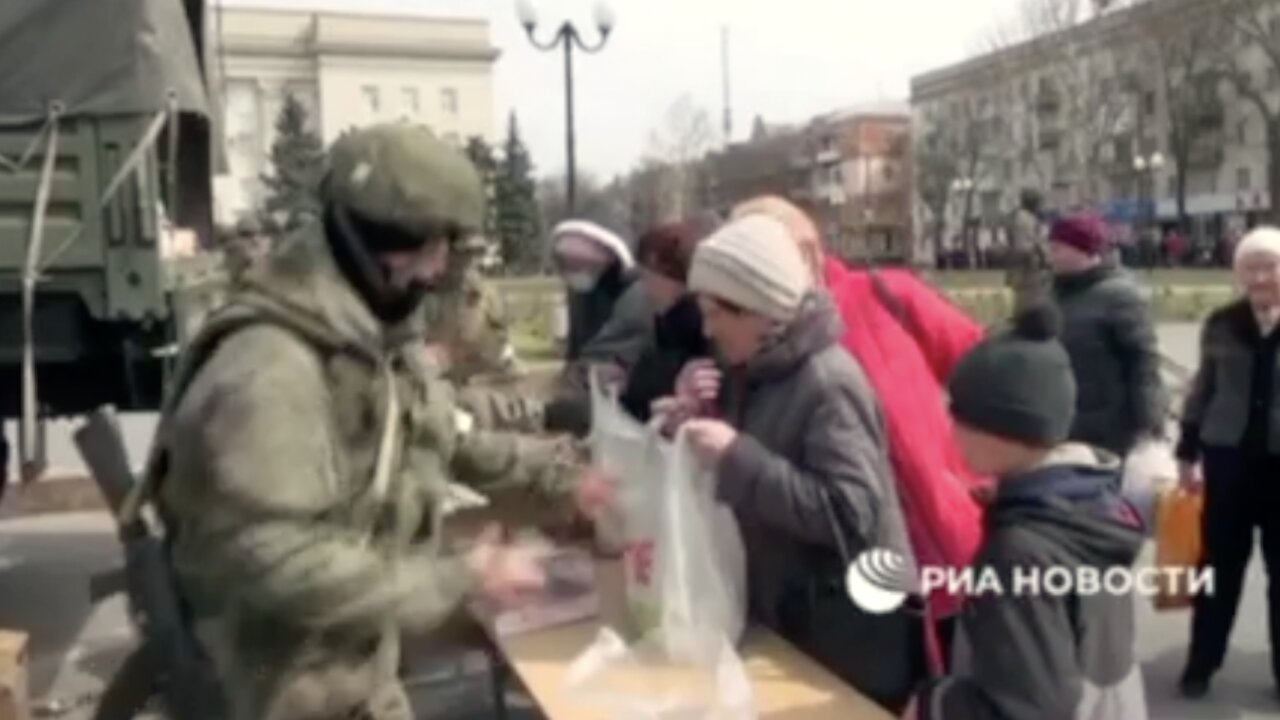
(1048, 102)
(1050, 140)
(1206, 154)
(827, 155)
(1209, 115)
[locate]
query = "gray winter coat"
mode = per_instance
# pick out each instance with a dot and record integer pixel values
(811, 434)
(1110, 336)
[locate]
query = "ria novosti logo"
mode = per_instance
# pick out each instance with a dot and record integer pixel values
(879, 580)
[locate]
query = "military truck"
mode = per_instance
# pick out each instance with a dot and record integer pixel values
(106, 160)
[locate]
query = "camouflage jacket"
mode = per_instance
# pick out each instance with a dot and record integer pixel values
(281, 529)
(470, 321)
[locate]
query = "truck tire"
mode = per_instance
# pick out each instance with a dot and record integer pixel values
(130, 691)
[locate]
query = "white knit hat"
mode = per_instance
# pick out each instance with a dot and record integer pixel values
(1262, 239)
(754, 263)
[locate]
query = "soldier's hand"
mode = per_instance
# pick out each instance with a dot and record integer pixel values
(507, 571)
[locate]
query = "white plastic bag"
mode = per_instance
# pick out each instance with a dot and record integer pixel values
(619, 446)
(1149, 469)
(684, 573)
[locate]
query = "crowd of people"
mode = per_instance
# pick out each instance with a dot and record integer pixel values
(838, 408)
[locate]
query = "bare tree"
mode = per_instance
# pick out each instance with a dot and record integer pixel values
(1252, 29)
(1182, 48)
(953, 147)
(1076, 100)
(674, 158)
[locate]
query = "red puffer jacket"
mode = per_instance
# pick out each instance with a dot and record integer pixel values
(908, 360)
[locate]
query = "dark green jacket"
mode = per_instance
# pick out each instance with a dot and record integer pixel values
(1110, 335)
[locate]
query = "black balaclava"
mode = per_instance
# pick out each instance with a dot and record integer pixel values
(354, 241)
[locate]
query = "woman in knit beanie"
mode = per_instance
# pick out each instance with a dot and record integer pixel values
(907, 337)
(796, 445)
(1230, 449)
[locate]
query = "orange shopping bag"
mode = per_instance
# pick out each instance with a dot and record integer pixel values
(1178, 545)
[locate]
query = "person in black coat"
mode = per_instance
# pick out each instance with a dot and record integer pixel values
(1229, 449)
(664, 255)
(1109, 333)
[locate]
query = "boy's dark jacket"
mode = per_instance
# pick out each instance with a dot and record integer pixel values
(1044, 657)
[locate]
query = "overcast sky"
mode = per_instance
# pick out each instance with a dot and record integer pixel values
(789, 59)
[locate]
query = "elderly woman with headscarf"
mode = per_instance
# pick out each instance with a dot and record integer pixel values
(608, 313)
(908, 339)
(1230, 447)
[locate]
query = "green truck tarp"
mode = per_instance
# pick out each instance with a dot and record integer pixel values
(96, 58)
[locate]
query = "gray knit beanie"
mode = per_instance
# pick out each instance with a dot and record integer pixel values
(1018, 385)
(753, 263)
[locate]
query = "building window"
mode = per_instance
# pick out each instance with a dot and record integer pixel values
(1244, 179)
(1173, 186)
(1149, 102)
(887, 173)
(409, 97)
(449, 101)
(371, 100)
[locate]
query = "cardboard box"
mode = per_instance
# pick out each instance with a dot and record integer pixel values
(14, 701)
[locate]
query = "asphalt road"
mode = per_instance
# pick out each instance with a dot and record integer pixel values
(45, 564)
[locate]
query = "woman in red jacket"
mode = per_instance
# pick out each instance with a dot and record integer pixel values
(908, 338)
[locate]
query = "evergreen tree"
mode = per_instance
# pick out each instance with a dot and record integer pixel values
(482, 156)
(518, 219)
(297, 163)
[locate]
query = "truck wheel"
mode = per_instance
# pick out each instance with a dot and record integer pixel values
(130, 691)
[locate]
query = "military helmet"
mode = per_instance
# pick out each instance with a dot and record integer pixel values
(403, 176)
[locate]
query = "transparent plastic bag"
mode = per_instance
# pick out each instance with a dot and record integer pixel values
(684, 575)
(1149, 471)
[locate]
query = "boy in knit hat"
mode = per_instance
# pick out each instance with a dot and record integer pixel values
(1024, 652)
(1109, 333)
(797, 446)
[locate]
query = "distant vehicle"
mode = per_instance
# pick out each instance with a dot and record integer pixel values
(106, 157)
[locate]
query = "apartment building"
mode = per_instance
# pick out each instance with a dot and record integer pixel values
(850, 169)
(348, 70)
(1084, 116)
(858, 163)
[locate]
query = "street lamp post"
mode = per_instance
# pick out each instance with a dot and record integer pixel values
(569, 37)
(1146, 168)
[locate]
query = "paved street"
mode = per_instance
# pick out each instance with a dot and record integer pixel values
(45, 564)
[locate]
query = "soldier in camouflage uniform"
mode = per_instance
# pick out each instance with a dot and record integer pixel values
(467, 320)
(1028, 275)
(308, 442)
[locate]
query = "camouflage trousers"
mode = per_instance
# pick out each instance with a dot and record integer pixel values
(307, 684)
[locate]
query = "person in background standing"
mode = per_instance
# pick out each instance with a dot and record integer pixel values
(1109, 333)
(1230, 447)
(1027, 274)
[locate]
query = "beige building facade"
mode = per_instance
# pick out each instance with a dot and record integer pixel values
(1083, 115)
(348, 70)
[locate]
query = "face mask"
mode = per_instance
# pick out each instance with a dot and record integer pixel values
(580, 281)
